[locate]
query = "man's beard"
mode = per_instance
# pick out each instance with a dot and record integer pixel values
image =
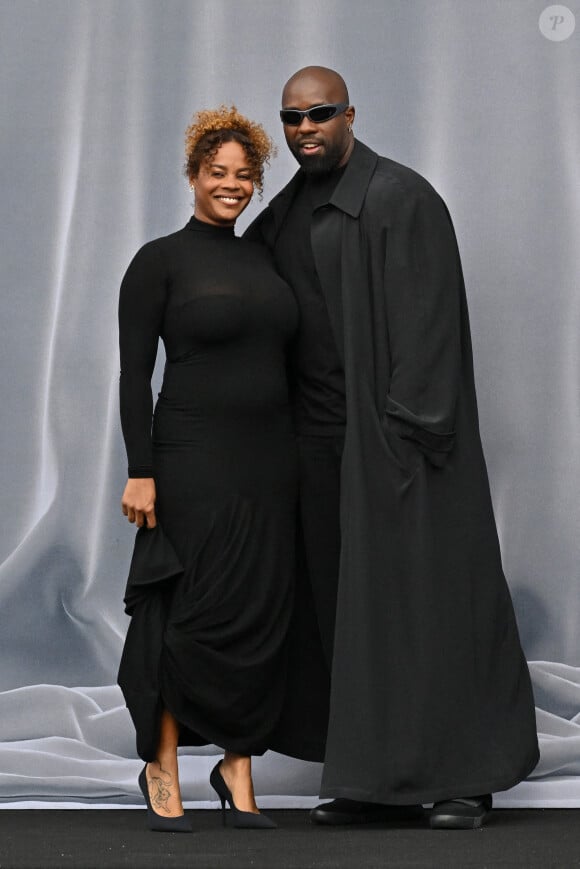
(319, 165)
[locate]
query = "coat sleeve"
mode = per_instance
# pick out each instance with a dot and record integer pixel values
(423, 286)
(255, 231)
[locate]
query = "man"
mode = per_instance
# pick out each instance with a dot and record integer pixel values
(431, 699)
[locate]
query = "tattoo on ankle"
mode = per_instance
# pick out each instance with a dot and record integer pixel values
(159, 790)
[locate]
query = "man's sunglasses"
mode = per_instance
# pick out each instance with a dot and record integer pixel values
(317, 114)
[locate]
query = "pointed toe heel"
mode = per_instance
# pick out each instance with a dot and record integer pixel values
(157, 823)
(241, 820)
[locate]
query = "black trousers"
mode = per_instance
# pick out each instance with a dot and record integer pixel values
(320, 460)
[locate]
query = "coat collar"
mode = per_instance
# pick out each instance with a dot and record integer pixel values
(350, 191)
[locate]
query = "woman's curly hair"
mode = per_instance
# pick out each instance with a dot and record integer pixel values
(209, 130)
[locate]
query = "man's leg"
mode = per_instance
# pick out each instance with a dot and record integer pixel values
(320, 460)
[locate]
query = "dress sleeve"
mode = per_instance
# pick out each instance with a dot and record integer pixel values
(423, 287)
(141, 309)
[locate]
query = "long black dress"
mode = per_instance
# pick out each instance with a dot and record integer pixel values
(210, 589)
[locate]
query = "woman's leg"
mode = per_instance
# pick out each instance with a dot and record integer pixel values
(162, 773)
(236, 770)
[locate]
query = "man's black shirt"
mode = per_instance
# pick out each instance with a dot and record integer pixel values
(317, 371)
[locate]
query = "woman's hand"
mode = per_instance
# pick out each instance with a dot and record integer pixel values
(138, 501)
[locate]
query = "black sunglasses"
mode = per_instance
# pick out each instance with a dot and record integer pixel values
(317, 114)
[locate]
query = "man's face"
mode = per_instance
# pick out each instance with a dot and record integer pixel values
(318, 147)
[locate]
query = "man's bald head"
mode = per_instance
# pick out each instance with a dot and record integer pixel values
(328, 80)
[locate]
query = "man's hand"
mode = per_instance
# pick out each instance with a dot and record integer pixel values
(138, 501)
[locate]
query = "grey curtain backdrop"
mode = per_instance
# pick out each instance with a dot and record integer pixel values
(95, 97)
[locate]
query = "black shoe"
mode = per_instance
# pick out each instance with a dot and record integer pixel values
(242, 820)
(156, 822)
(344, 811)
(467, 813)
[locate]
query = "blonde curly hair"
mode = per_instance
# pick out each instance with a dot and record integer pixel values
(209, 130)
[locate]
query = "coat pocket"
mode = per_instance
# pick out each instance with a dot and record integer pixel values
(403, 453)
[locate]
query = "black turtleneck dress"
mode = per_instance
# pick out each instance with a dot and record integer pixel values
(210, 588)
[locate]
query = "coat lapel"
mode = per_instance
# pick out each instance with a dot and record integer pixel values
(328, 224)
(279, 206)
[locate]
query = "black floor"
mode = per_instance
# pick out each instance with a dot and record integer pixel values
(103, 839)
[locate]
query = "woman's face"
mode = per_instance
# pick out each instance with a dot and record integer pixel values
(224, 186)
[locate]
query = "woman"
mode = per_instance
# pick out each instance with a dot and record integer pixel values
(210, 586)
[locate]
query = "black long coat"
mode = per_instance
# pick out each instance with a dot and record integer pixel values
(431, 695)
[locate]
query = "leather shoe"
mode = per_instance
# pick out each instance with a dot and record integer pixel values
(344, 811)
(466, 813)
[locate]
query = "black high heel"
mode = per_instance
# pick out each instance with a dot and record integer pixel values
(156, 822)
(242, 820)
